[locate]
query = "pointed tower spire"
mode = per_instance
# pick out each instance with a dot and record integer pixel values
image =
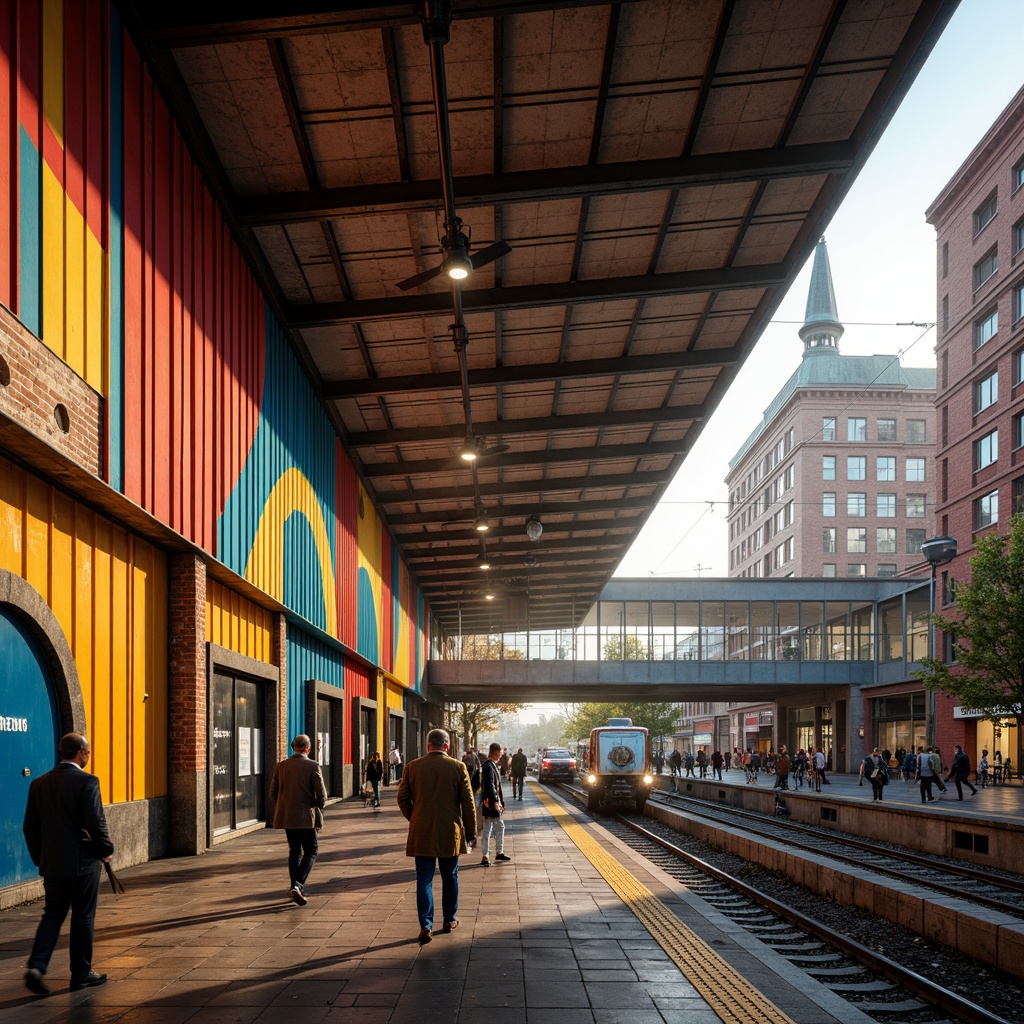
(821, 330)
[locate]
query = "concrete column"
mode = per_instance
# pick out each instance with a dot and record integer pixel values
(187, 706)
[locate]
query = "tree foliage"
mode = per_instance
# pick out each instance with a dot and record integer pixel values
(470, 720)
(658, 719)
(988, 630)
(632, 650)
(488, 648)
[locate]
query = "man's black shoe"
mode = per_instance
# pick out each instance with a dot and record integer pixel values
(298, 896)
(91, 980)
(501, 856)
(34, 981)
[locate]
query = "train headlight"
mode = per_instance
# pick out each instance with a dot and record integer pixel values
(591, 779)
(648, 780)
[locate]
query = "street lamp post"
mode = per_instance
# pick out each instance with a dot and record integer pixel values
(938, 551)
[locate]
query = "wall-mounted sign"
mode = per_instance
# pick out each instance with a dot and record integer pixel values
(8, 724)
(1011, 712)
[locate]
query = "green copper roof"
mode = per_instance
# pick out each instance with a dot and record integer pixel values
(821, 296)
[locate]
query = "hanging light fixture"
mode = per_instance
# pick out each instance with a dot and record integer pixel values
(469, 451)
(482, 524)
(483, 562)
(534, 528)
(489, 595)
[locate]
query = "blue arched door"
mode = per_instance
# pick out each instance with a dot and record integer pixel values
(29, 726)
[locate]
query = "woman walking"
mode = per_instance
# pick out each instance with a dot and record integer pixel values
(374, 773)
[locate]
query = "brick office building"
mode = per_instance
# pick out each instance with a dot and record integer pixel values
(979, 223)
(837, 479)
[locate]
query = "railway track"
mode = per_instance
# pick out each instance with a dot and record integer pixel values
(872, 982)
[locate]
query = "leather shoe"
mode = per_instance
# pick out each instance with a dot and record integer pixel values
(424, 936)
(501, 856)
(485, 862)
(91, 980)
(34, 981)
(297, 895)
(449, 926)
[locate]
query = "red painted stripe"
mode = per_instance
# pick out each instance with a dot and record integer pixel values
(162, 312)
(178, 379)
(9, 162)
(29, 67)
(211, 496)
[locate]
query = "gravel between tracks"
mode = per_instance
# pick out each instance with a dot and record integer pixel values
(997, 992)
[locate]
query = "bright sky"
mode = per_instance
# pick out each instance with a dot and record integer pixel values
(882, 255)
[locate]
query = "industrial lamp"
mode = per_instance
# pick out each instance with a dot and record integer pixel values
(534, 528)
(483, 562)
(468, 452)
(481, 523)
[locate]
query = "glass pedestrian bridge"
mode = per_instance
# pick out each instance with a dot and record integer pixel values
(704, 639)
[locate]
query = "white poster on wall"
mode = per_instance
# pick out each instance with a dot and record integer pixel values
(244, 752)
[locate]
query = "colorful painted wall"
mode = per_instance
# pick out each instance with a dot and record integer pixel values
(108, 591)
(113, 252)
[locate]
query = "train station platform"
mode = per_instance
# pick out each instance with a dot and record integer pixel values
(575, 929)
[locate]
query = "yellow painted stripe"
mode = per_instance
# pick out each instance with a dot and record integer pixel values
(722, 987)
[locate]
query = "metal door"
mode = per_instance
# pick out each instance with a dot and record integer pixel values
(29, 731)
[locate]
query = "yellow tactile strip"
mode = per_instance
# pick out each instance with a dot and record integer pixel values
(724, 989)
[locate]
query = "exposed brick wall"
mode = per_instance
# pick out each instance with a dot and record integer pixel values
(34, 382)
(187, 710)
(279, 645)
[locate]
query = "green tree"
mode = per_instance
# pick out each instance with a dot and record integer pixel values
(470, 720)
(988, 630)
(657, 719)
(488, 648)
(633, 650)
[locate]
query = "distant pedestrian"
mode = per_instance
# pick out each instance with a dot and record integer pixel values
(982, 774)
(436, 799)
(819, 770)
(717, 760)
(492, 807)
(755, 766)
(517, 767)
(874, 767)
(374, 773)
(925, 775)
(67, 838)
(702, 763)
(297, 787)
(675, 762)
(782, 769)
(690, 761)
(959, 772)
(936, 755)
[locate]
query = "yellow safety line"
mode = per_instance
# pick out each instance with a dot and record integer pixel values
(724, 989)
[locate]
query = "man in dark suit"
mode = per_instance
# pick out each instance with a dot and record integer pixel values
(67, 838)
(435, 797)
(299, 791)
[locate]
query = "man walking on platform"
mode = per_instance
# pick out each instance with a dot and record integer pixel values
(299, 791)
(924, 773)
(959, 772)
(492, 806)
(436, 799)
(517, 769)
(67, 837)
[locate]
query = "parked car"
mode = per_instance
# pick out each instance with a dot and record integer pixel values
(556, 763)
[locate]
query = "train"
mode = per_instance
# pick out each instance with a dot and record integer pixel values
(619, 766)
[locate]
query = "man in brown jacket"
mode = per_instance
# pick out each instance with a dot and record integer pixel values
(436, 799)
(299, 791)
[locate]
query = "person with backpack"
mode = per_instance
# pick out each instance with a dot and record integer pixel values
(874, 767)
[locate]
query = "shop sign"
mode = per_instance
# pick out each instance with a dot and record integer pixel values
(767, 717)
(751, 721)
(959, 712)
(13, 724)
(702, 737)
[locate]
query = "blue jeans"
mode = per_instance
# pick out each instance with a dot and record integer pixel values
(449, 867)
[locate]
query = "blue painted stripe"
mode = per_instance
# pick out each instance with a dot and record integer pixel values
(115, 387)
(30, 227)
(308, 658)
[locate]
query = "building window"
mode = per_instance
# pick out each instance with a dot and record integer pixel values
(885, 539)
(886, 430)
(828, 569)
(1018, 175)
(987, 510)
(915, 538)
(856, 540)
(828, 428)
(917, 431)
(828, 540)
(856, 429)
(856, 467)
(828, 467)
(986, 267)
(985, 214)
(856, 569)
(916, 506)
(1018, 367)
(885, 467)
(915, 470)
(1018, 495)
(986, 392)
(1018, 236)
(986, 450)
(885, 506)
(828, 503)
(886, 569)
(945, 313)
(985, 329)
(1018, 303)
(856, 504)
(1018, 432)
(945, 258)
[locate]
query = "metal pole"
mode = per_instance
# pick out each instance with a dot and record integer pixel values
(929, 717)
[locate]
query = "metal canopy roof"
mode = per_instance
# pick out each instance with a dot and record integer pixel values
(662, 170)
